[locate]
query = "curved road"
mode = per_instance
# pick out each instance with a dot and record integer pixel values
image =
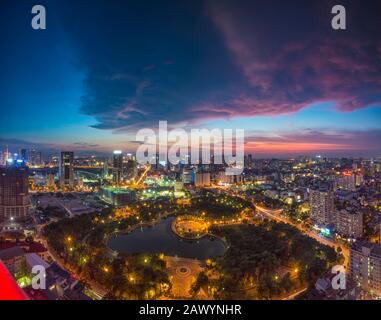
(275, 215)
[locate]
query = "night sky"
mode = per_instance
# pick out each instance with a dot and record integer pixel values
(103, 69)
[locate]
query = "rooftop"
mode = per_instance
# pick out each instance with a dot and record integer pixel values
(11, 253)
(375, 249)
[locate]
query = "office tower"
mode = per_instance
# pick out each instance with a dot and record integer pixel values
(105, 169)
(117, 167)
(132, 169)
(202, 179)
(14, 198)
(349, 223)
(5, 156)
(24, 154)
(322, 205)
(35, 157)
(365, 266)
(250, 161)
(66, 169)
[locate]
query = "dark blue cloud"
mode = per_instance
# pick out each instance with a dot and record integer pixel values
(146, 62)
(186, 61)
(192, 61)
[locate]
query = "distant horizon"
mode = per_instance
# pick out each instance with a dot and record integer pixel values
(256, 156)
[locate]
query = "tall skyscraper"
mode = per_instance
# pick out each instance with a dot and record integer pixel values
(105, 169)
(24, 154)
(35, 157)
(117, 166)
(5, 156)
(322, 206)
(131, 169)
(67, 169)
(250, 161)
(14, 198)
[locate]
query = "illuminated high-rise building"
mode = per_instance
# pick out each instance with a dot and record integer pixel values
(131, 169)
(347, 181)
(24, 154)
(365, 266)
(349, 223)
(105, 169)
(117, 166)
(201, 179)
(5, 156)
(35, 157)
(67, 169)
(322, 206)
(14, 198)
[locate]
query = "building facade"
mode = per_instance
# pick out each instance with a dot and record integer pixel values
(322, 206)
(349, 223)
(67, 169)
(117, 167)
(346, 181)
(202, 179)
(365, 266)
(14, 197)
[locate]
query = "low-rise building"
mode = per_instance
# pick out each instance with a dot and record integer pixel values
(117, 196)
(324, 290)
(13, 258)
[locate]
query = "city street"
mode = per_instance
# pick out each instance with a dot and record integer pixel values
(275, 215)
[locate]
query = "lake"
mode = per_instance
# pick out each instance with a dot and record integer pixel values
(161, 239)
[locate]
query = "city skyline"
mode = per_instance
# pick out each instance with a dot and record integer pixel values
(214, 151)
(99, 73)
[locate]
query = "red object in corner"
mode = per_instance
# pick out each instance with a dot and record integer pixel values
(9, 290)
